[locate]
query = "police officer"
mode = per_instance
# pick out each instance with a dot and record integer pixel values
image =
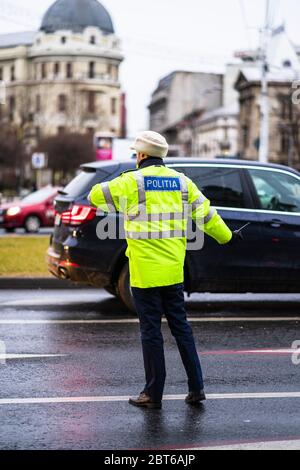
(154, 200)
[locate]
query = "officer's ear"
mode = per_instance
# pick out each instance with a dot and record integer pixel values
(141, 156)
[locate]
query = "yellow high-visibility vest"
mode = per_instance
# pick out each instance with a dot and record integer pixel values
(156, 202)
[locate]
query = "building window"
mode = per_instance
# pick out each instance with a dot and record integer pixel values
(56, 69)
(1, 73)
(12, 107)
(90, 131)
(12, 104)
(38, 103)
(69, 70)
(61, 130)
(43, 71)
(38, 132)
(287, 63)
(109, 69)
(62, 103)
(115, 72)
(114, 106)
(285, 142)
(245, 136)
(92, 70)
(286, 107)
(12, 73)
(91, 102)
(112, 71)
(93, 40)
(63, 40)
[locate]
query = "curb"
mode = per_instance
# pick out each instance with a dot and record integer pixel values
(38, 283)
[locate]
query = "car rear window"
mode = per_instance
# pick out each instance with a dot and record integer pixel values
(39, 196)
(83, 182)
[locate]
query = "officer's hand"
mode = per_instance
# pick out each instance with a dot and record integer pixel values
(236, 238)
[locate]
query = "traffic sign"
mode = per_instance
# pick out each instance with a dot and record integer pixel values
(39, 161)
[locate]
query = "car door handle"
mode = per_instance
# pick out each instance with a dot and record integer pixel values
(276, 223)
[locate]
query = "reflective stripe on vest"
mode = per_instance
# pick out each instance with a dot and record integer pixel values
(184, 189)
(196, 204)
(108, 197)
(141, 187)
(154, 217)
(209, 216)
(156, 235)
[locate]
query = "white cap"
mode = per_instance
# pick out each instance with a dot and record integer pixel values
(152, 144)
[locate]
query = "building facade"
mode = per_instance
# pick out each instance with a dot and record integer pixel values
(197, 112)
(217, 133)
(182, 96)
(206, 115)
(65, 77)
(284, 118)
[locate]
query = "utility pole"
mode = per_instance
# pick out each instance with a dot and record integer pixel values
(264, 106)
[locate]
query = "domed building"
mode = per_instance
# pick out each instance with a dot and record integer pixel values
(76, 15)
(65, 77)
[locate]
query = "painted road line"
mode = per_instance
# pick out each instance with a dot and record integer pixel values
(263, 445)
(110, 399)
(228, 444)
(5, 357)
(260, 352)
(50, 302)
(135, 321)
(243, 319)
(67, 322)
(94, 295)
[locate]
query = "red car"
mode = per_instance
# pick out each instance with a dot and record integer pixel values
(31, 213)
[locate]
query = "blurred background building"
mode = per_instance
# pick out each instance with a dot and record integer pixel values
(197, 112)
(64, 98)
(208, 116)
(179, 101)
(284, 117)
(64, 78)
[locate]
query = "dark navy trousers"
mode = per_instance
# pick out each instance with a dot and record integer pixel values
(151, 304)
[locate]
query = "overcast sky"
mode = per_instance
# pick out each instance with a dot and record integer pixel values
(160, 36)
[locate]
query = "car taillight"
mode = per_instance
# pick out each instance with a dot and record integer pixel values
(78, 215)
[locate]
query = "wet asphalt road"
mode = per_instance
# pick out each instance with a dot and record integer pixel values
(87, 362)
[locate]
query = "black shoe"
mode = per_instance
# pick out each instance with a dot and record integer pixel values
(195, 398)
(144, 401)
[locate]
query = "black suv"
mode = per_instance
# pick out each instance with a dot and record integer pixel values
(268, 260)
